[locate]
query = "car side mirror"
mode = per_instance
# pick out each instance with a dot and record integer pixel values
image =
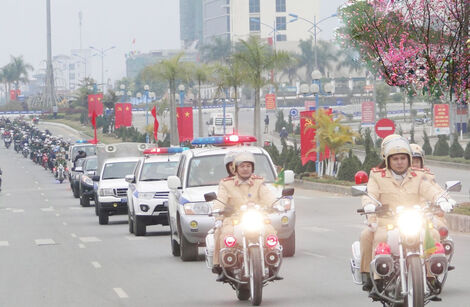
(210, 196)
(174, 182)
(91, 173)
(358, 190)
(130, 178)
(453, 186)
(289, 177)
(95, 178)
(287, 192)
(79, 169)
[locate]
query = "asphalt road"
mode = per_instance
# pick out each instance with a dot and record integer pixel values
(54, 253)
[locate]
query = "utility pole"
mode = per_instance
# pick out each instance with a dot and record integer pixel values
(50, 96)
(80, 16)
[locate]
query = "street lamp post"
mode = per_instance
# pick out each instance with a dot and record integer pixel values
(269, 26)
(84, 62)
(102, 52)
(181, 89)
(146, 94)
(121, 93)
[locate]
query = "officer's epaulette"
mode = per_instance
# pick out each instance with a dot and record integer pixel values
(377, 170)
(228, 178)
(256, 177)
(419, 169)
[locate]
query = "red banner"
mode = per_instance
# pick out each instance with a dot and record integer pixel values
(184, 116)
(270, 101)
(95, 103)
(307, 138)
(12, 95)
(155, 123)
(122, 115)
(368, 114)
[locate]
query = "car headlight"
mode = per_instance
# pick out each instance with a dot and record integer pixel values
(146, 195)
(410, 222)
(197, 208)
(252, 221)
(106, 192)
(287, 203)
(87, 180)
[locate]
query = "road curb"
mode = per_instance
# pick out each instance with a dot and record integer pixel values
(458, 222)
(324, 187)
(447, 164)
(65, 127)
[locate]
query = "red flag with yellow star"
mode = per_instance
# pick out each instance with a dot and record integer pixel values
(118, 115)
(95, 103)
(307, 138)
(184, 115)
(155, 123)
(126, 114)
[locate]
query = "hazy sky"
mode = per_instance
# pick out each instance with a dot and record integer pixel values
(153, 23)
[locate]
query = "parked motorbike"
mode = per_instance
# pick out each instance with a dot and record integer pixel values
(248, 260)
(408, 275)
(7, 141)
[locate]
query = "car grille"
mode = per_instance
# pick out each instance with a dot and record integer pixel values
(120, 192)
(161, 195)
(160, 208)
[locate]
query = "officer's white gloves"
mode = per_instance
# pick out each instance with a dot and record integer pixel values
(369, 208)
(446, 205)
(218, 224)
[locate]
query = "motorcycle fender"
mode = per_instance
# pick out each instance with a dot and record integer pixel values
(393, 239)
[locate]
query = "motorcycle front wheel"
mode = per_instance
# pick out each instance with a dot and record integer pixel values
(415, 283)
(256, 276)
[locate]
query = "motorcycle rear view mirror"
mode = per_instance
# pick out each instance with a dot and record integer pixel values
(210, 196)
(358, 190)
(453, 186)
(287, 192)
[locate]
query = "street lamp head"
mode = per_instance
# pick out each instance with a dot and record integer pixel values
(293, 15)
(129, 93)
(138, 95)
(316, 75)
(181, 87)
(122, 86)
(329, 88)
(314, 88)
(304, 88)
(334, 15)
(146, 87)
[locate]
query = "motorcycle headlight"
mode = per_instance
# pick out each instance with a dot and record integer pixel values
(87, 180)
(197, 208)
(106, 192)
(410, 222)
(252, 221)
(146, 195)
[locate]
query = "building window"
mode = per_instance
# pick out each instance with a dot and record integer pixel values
(280, 5)
(280, 23)
(254, 24)
(72, 76)
(281, 37)
(71, 66)
(254, 6)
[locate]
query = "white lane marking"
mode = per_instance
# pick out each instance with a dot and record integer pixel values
(120, 293)
(64, 223)
(89, 239)
(17, 210)
(42, 194)
(39, 188)
(80, 245)
(75, 208)
(314, 255)
(4, 243)
(36, 182)
(134, 238)
(96, 264)
(8, 194)
(46, 200)
(49, 209)
(57, 214)
(73, 235)
(40, 242)
(316, 229)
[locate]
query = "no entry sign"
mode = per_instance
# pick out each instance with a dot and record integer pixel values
(384, 127)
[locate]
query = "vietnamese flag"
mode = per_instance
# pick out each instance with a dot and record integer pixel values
(307, 138)
(122, 115)
(155, 123)
(95, 103)
(117, 115)
(184, 115)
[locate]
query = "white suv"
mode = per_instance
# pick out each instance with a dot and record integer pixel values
(199, 172)
(148, 190)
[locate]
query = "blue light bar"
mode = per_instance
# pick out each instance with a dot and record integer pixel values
(82, 142)
(213, 140)
(224, 140)
(164, 150)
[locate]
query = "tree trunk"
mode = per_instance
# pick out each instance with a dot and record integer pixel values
(256, 119)
(236, 109)
(174, 136)
(199, 109)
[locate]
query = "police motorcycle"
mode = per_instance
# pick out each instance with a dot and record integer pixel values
(248, 260)
(7, 141)
(17, 145)
(407, 276)
(60, 173)
(25, 150)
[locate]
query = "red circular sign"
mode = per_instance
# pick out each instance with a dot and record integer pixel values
(384, 127)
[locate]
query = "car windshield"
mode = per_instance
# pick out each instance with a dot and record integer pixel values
(158, 170)
(92, 164)
(79, 162)
(209, 170)
(117, 170)
(89, 150)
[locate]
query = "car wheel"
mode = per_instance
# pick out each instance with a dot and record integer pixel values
(103, 217)
(75, 192)
(139, 227)
(131, 222)
(84, 201)
(175, 247)
(188, 250)
(97, 205)
(288, 245)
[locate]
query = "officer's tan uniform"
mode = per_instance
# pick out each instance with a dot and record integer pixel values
(382, 185)
(438, 219)
(235, 192)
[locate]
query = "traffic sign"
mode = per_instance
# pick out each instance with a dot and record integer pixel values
(294, 112)
(384, 127)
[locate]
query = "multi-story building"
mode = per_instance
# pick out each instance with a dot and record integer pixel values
(190, 23)
(238, 19)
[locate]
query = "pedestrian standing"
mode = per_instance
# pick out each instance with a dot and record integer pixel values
(266, 124)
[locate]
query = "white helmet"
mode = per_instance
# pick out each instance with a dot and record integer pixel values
(228, 162)
(395, 144)
(244, 156)
(417, 152)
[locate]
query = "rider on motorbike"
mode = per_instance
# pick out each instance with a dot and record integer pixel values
(395, 182)
(242, 188)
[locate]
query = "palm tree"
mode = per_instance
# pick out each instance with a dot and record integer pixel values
(200, 73)
(170, 70)
(20, 70)
(256, 59)
(218, 50)
(7, 78)
(290, 70)
(231, 76)
(325, 57)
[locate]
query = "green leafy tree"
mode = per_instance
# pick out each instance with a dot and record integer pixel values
(442, 146)
(349, 167)
(427, 145)
(326, 56)
(218, 50)
(466, 154)
(372, 159)
(456, 150)
(383, 97)
(200, 73)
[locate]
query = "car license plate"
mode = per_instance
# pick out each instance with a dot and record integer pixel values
(124, 200)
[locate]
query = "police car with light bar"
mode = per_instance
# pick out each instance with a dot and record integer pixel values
(200, 171)
(148, 190)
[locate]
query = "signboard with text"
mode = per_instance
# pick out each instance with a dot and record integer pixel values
(441, 119)
(384, 127)
(270, 101)
(310, 105)
(368, 114)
